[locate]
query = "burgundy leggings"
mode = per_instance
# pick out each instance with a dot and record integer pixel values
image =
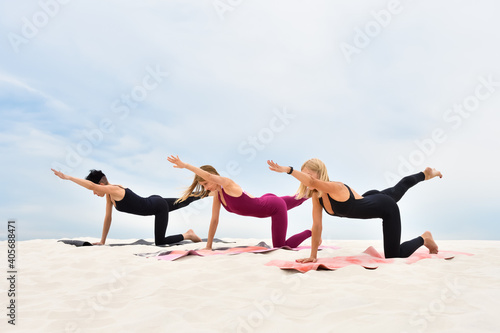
(269, 205)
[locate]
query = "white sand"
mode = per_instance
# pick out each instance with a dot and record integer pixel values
(62, 288)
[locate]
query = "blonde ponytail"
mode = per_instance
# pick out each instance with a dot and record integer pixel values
(196, 190)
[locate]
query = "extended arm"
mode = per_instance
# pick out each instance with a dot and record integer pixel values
(82, 182)
(307, 180)
(214, 222)
(115, 191)
(176, 161)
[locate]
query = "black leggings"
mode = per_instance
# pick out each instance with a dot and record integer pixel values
(157, 206)
(164, 206)
(385, 203)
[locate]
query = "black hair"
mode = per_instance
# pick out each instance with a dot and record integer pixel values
(95, 176)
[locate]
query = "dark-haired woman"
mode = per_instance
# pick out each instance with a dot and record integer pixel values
(235, 200)
(124, 200)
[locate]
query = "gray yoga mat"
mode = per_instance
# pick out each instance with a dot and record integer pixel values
(79, 243)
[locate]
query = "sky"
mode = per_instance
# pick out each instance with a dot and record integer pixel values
(376, 89)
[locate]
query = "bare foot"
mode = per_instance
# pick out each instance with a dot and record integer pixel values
(431, 173)
(191, 236)
(430, 243)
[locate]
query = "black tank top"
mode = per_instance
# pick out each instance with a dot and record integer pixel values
(341, 209)
(134, 204)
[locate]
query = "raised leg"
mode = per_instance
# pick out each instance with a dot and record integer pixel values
(431, 173)
(174, 206)
(291, 202)
(404, 185)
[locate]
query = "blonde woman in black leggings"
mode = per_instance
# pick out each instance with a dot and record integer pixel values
(339, 199)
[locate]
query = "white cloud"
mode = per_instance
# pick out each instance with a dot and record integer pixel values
(226, 77)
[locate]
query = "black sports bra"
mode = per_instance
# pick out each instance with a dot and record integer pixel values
(341, 209)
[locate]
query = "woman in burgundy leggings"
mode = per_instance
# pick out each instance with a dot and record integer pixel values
(235, 200)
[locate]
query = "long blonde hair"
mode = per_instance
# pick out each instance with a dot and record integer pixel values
(315, 165)
(196, 190)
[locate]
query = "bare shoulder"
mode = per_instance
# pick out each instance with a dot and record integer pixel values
(116, 192)
(228, 183)
(339, 191)
(332, 187)
(339, 186)
(231, 188)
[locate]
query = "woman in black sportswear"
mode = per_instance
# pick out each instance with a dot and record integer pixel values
(339, 200)
(124, 200)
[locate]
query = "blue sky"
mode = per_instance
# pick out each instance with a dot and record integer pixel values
(376, 89)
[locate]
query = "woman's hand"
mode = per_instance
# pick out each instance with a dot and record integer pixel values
(277, 168)
(60, 174)
(176, 161)
(306, 260)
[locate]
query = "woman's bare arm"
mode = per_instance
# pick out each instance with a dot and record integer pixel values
(107, 221)
(307, 180)
(115, 192)
(222, 181)
(214, 222)
(317, 228)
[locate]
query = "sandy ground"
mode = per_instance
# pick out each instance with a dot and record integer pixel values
(62, 288)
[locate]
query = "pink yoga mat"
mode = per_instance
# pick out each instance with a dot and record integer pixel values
(369, 259)
(174, 255)
(259, 248)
